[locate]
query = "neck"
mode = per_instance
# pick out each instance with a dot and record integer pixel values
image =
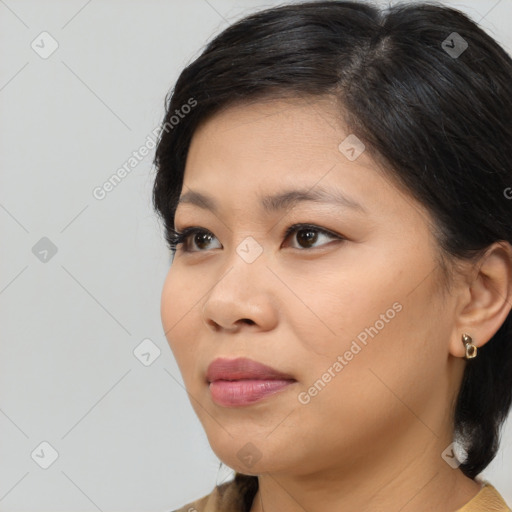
(412, 477)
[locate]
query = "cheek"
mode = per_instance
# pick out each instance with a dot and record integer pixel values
(168, 302)
(179, 309)
(340, 303)
(365, 324)
(356, 392)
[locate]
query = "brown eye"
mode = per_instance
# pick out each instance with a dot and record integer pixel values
(194, 239)
(307, 236)
(201, 239)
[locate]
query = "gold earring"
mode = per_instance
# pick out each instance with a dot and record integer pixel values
(471, 349)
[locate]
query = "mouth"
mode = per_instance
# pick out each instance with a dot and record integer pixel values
(241, 382)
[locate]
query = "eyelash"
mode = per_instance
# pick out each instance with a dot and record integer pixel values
(180, 237)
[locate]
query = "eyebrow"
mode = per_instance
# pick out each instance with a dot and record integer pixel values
(280, 201)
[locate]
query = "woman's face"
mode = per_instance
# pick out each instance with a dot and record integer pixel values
(353, 316)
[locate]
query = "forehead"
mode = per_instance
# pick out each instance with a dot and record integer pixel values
(248, 151)
(282, 142)
(273, 125)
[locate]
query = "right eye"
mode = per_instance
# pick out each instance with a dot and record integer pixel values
(201, 237)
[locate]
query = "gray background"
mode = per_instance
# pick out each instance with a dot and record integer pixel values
(126, 436)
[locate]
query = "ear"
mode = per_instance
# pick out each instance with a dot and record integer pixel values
(485, 298)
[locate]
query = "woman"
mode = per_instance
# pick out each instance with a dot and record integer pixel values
(335, 184)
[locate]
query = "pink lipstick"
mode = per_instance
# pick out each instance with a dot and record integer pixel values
(241, 382)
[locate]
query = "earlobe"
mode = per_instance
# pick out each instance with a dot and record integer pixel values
(471, 350)
(466, 348)
(489, 303)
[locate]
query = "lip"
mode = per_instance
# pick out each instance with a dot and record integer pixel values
(242, 368)
(241, 381)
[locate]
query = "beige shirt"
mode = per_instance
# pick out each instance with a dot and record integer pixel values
(237, 496)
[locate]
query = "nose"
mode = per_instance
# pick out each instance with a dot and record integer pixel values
(224, 322)
(243, 296)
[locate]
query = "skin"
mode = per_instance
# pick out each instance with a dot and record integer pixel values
(372, 438)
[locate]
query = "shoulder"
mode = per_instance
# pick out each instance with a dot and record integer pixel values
(487, 500)
(233, 496)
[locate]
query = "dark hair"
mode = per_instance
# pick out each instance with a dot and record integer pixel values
(440, 123)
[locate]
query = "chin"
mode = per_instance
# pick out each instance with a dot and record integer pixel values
(250, 457)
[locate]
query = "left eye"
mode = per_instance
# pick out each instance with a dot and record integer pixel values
(306, 235)
(309, 235)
